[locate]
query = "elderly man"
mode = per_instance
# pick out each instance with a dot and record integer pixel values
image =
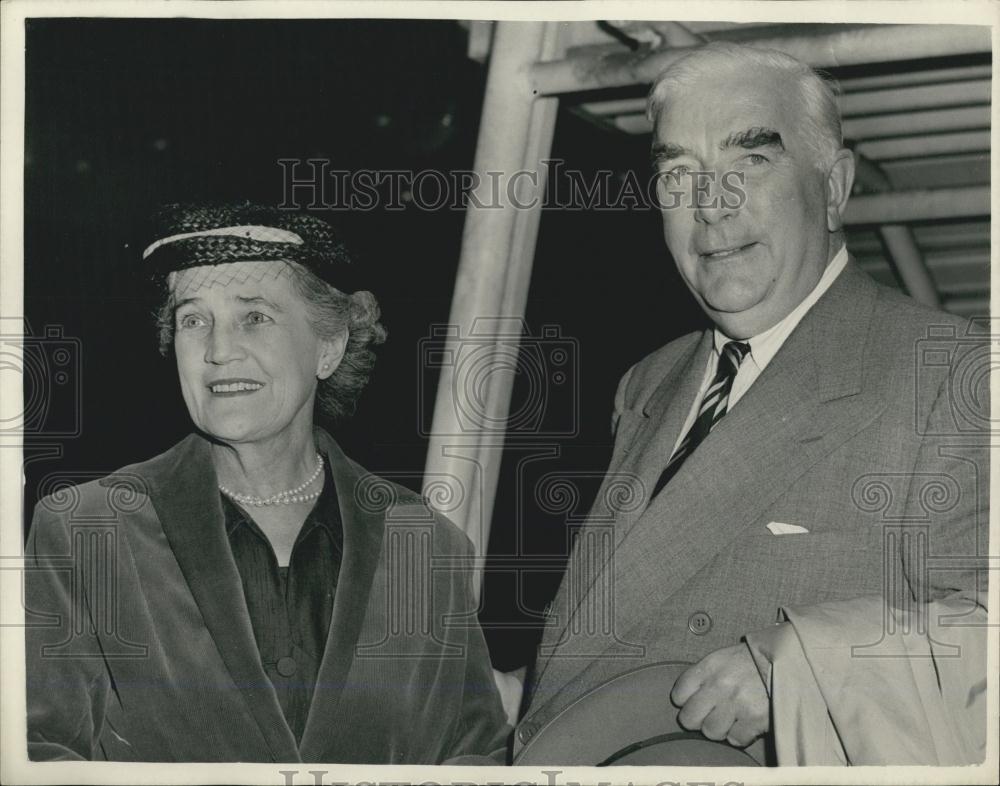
(783, 462)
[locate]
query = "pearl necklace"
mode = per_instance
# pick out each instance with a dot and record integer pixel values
(282, 497)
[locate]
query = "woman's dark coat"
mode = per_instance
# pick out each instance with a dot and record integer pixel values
(140, 648)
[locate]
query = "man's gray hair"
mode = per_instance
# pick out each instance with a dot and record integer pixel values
(820, 121)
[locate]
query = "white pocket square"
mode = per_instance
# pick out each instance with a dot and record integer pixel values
(780, 528)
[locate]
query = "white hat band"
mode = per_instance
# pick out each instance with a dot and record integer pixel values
(266, 234)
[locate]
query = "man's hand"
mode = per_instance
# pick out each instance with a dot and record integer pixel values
(723, 696)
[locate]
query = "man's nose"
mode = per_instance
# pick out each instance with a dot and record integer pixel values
(223, 345)
(712, 202)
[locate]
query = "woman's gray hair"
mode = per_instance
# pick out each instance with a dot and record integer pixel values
(820, 120)
(330, 312)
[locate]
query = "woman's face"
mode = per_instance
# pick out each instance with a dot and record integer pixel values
(247, 357)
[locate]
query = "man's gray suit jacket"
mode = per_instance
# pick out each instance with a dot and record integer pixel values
(867, 429)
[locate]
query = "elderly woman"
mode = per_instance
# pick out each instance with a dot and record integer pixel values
(252, 594)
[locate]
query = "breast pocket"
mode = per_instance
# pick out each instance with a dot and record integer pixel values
(815, 566)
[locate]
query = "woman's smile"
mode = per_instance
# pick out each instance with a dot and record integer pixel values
(234, 387)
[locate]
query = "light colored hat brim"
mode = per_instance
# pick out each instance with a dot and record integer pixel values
(628, 720)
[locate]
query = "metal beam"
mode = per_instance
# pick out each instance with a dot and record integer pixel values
(609, 67)
(900, 207)
(633, 124)
(907, 124)
(903, 99)
(952, 281)
(515, 134)
(969, 306)
(908, 263)
(906, 99)
(968, 287)
(898, 243)
(956, 236)
(929, 145)
(942, 247)
(621, 106)
(929, 77)
(943, 171)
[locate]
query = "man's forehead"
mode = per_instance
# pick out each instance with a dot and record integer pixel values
(721, 105)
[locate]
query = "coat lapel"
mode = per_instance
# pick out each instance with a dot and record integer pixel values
(665, 412)
(364, 527)
(638, 463)
(807, 401)
(184, 491)
(185, 495)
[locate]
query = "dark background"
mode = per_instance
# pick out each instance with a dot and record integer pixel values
(122, 115)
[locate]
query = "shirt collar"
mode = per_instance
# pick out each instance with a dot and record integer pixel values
(765, 345)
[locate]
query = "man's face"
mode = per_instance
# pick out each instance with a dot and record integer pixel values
(748, 260)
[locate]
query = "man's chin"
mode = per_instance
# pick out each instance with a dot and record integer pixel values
(732, 302)
(737, 318)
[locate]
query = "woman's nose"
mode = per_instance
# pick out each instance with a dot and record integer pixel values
(223, 345)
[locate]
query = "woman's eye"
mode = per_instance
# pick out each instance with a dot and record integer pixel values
(188, 321)
(257, 318)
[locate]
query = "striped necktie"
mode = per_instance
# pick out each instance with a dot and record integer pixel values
(713, 407)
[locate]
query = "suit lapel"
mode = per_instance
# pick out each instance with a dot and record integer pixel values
(665, 413)
(806, 402)
(638, 464)
(662, 417)
(185, 495)
(363, 532)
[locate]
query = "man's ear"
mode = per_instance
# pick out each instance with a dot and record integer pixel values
(331, 353)
(839, 181)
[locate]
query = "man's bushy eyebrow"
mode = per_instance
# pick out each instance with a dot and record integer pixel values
(753, 138)
(665, 151)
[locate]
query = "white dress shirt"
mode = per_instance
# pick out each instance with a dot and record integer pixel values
(763, 346)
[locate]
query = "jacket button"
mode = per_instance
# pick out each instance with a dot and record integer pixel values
(287, 666)
(526, 731)
(699, 623)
